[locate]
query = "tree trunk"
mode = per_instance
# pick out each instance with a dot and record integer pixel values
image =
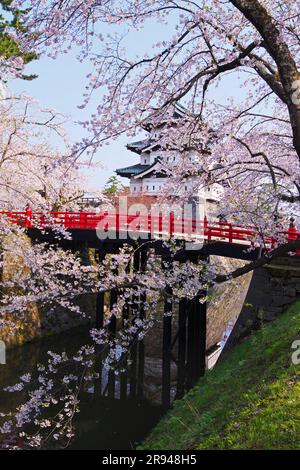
(259, 17)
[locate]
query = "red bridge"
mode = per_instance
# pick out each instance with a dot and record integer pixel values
(216, 238)
(158, 226)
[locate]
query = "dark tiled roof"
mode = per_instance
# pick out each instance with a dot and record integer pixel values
(151, 168)
(132, 170)
(140, 145)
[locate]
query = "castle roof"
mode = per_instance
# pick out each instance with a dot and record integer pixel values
(149, 143)
(140, 146)
(154, 168)
(133, 170)
(178, 112)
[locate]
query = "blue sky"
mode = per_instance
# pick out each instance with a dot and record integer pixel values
(60, 85)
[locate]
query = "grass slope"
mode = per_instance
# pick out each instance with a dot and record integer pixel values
(251, 400)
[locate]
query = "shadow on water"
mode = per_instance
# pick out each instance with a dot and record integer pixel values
(118, 411)
(103, 422)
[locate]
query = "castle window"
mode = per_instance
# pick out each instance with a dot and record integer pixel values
(134, 189)
(153, 188)
(147, 187)
(186, 188)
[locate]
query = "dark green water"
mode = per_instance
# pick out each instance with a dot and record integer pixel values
(103, 423)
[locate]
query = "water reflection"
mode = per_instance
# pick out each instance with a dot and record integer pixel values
(106, 421)
(119, 410)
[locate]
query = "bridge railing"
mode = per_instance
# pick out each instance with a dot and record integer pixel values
(157, 225)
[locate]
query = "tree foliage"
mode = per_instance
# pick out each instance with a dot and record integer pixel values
(113, 186)
(234, 67)
(201, 48)
(11, 28)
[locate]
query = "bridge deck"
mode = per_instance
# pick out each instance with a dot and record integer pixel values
(114, 229)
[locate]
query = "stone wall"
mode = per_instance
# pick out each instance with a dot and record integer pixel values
(225, 300)
(251, 299)
(224, 306)
(39, 322)
(272, 290)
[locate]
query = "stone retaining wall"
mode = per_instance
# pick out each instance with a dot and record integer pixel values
(272, 290)
(39, 322)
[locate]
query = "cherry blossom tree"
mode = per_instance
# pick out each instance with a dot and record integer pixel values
(256, 140)
(234, 66)
(33, 173)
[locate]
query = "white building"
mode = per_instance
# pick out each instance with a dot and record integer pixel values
(147, 178)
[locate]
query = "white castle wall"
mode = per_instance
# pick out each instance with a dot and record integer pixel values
(154, 186)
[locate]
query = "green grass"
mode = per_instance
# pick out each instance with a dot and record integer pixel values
(251, 400)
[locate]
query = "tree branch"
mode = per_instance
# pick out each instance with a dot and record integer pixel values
(267, 259)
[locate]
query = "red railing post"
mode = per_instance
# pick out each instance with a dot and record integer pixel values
(183, 224)
(138, 225)
(292, 234)
(205, 224)
(292, 231)
(160, 223)
(28, 217)
(67, 220)
(105, 214)
(82, 220)
(230, 233)
(194, 225)
(117, 222)
(171, 224)
(149, 223)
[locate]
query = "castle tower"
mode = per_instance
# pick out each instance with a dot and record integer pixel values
(148, 179)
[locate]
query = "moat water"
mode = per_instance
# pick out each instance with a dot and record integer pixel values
(103, 423)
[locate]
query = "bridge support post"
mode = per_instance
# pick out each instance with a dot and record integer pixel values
(134, 348)
(141, 346)
(99, 325)
(167, 344)
(124, 374)
(166, 362)
(182, 317)
(196, 349)
(190, 344)
(100, 301)
(196, 336)
(203, 330)
(112, 327)
(200, 335)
